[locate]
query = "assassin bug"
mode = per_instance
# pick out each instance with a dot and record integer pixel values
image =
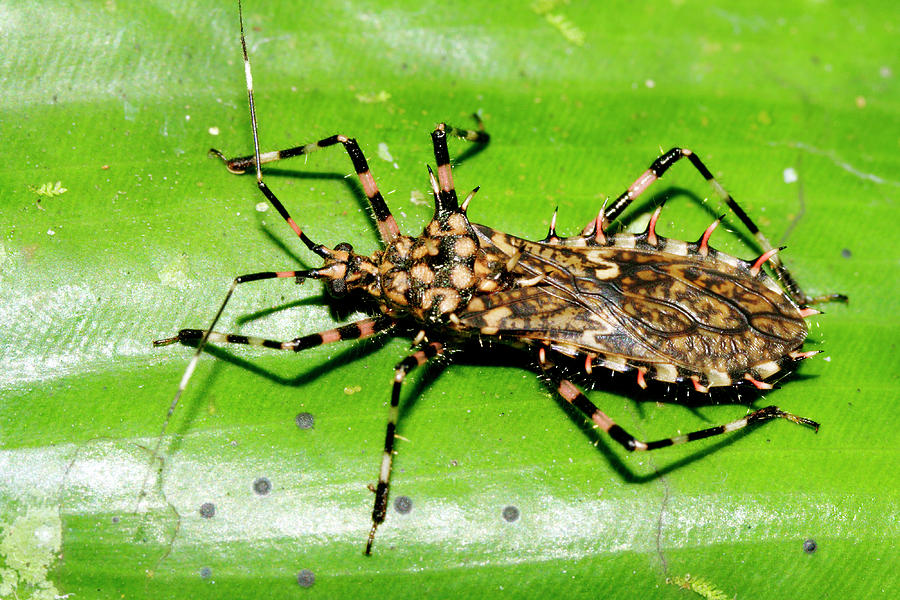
(663, 309)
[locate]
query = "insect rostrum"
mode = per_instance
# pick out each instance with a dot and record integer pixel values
(663, 309)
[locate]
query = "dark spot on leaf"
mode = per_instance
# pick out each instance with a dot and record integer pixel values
(305, 420)
(205, 572)
(207, 510)
(262, 486)
(846, 253)
(403, 504)
(306, 578)
(810, 546)
(510, 513)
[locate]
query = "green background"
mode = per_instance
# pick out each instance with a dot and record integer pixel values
(119, 102)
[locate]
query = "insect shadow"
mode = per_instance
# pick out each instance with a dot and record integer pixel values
(485, 356)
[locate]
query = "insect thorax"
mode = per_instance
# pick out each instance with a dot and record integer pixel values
(432, 275)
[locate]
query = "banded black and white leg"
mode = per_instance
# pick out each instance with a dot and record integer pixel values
(382, 490)
(445, 198)
(239, 165)
(199, 338)
(659, 167)
(571, 394)
(387, 225)
(361, 329)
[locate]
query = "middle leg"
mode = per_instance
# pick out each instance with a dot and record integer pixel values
(382, 490)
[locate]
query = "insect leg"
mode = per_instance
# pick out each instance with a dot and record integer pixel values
(576, 398)
(662, 164)
(354, 331)
(201, 343)
(382, 491)
(387, 226)
(446, 200)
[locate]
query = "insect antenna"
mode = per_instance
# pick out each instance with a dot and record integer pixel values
(275, 202)
(299, 275)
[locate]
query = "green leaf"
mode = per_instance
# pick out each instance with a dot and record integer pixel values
(793, 105)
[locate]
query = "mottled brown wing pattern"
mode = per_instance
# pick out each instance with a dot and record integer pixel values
(626, 304)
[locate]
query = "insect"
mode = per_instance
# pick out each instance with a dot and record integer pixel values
(662, 309)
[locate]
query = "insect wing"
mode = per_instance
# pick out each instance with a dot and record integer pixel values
(640, 307)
